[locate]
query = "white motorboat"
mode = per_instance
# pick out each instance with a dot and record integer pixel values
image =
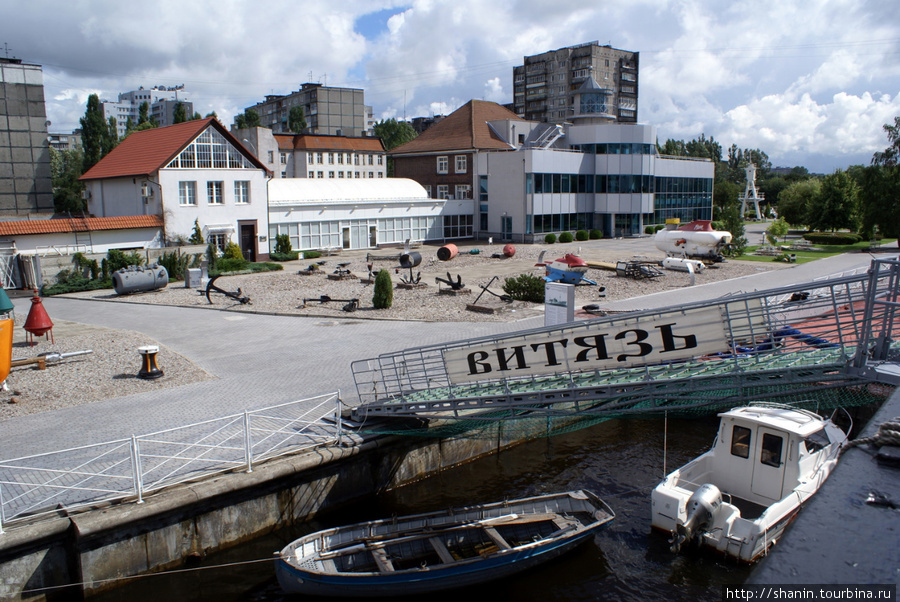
(739, 497)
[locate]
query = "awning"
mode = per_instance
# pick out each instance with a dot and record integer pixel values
(219, 228)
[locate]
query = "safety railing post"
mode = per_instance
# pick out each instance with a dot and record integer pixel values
(337, 418)
(136, 468)
(1, 509)
(248, 453)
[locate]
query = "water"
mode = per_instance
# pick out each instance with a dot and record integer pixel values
(620, 460)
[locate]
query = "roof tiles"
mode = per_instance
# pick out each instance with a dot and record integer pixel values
(79, 224)
(465, 128)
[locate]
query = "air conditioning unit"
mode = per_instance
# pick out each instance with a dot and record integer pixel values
(85, 194)
(146, 191)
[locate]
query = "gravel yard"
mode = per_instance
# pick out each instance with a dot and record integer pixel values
(111, 369)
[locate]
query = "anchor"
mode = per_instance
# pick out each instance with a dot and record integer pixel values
(486, 289)
(211, 287)
(312, 268)
(455, 286)
(410, 260)
(351, 304)
(342, 269)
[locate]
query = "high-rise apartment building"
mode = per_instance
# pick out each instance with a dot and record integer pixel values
(161, 103)
(329, 111)
(544, 86)
(24, 151)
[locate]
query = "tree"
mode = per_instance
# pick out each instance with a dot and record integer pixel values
(248, 119)
(111, 136)
(297, 119)
(65, 169)
(179, 115)
(777, 229)
(197, 234)
(733, 222)
(383, 296)
(144, 112)
(890, 157)
(93, 131)
(835, 206)
(795, 200)
(393, 133)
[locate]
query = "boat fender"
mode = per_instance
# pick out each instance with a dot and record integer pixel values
(701, 510)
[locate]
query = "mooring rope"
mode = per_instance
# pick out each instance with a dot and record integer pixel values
(888, 434)
(133, 577)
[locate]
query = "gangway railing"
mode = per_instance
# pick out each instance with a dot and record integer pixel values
(131, 468)
(753, 346)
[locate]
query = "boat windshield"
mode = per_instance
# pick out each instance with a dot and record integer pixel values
(816, 441)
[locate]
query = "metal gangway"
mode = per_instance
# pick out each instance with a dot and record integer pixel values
(802, 342)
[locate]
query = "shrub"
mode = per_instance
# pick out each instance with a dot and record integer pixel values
(232, 264)
(550, 238)
(196, 235)
(118, 259)
(659, 227)
(717, 225)
(284, 256)
(566, 237)
(175, 263)
(233, 251)
(649, 229)
(595, 234)
(525, 287)
(384, 290)
(581, 235)
(832, 238)
(311, 254)
(212, 257)
(282, 244)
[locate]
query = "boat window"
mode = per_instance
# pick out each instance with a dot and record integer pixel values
(816, 441)
(740, 442)
(771, 450)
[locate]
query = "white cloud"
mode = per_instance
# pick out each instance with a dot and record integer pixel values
(788, 76)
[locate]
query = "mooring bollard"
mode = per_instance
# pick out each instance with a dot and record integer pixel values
(149, 368)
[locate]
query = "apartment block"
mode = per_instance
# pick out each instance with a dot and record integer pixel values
(330, 111)
(161, 103)
(544, 86)
(24, 150)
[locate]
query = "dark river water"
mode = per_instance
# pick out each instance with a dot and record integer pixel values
(620, 460)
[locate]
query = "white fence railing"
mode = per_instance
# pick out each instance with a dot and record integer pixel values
(130, 468)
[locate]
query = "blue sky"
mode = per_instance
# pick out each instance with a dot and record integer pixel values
(810, 83)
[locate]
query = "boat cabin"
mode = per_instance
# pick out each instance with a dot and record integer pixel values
(760, 452)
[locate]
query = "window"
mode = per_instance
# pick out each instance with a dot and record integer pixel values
(242, 192)
(215, 193)
(331, 158)
(187, 193)
(271, 156)
(311, 174)
(340, 158)
(372, 175)
(371, 159)
(283, 158)
(319, 158)
(458, 226)
(380, 159)
(740, 442)
(443, 164)
(771, 450)
(443, 191)
(331, 174)
(461, 164)
(218, 241)
(427, 188)
(463, 191)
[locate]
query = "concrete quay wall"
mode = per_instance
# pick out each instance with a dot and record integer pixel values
(93, 549)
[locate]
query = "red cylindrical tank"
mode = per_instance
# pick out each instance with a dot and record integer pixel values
(509, 250)
(447, 252)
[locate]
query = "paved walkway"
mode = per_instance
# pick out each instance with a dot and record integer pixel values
(262, 360)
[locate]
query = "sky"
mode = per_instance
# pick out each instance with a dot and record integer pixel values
(810, 82)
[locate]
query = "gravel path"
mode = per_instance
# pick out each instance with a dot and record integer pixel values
(111, 369)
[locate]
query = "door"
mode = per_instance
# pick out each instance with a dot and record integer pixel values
(248, 241)
(373, 236)
(506, 227)
(345, 237)
(768, 465)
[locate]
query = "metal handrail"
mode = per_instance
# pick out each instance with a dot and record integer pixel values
(72, 478)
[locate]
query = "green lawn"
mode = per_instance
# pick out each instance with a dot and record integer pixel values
(805, 256)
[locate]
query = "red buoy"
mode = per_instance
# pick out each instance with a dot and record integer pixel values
(38, 322)
(509, 250)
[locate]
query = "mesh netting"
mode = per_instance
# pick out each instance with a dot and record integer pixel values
(520, 424)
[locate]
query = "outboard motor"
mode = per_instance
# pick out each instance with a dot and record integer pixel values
(701, 510)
